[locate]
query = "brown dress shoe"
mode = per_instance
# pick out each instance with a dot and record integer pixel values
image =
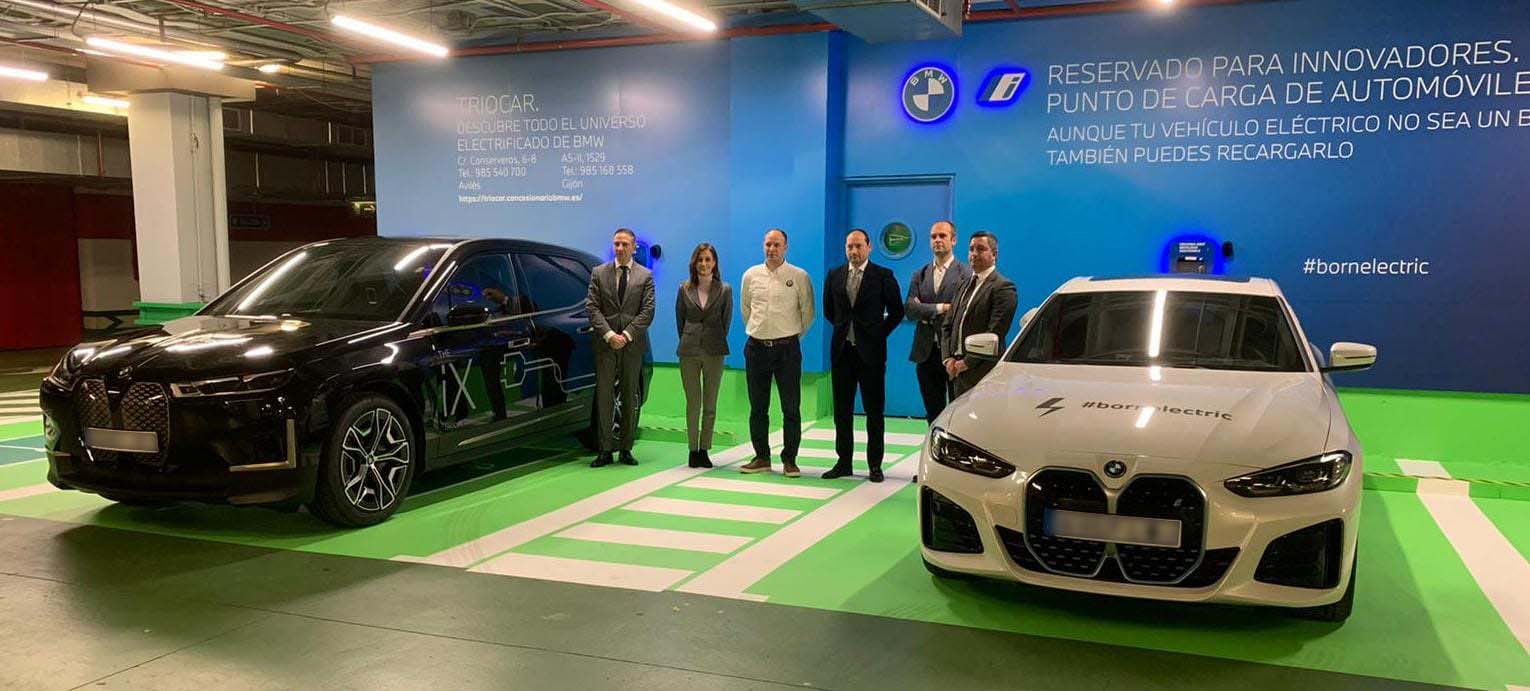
(789, 469)
(758, 465)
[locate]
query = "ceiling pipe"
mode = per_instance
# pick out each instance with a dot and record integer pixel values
(1088, 8)
(105, 19)
(256, 19)
(628, 15)
(617, 41)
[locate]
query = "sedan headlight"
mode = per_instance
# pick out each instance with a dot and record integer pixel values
(228, 386)
(952, 452)
(1316, 474)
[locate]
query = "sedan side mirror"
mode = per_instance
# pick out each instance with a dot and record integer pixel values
(1026, 318)
(467, 315)
(1350, 357)
(985, 346)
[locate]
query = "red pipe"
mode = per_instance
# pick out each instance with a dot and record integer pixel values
(263, 21)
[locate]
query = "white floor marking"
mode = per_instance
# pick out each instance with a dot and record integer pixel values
(17, 408)
(1492, 560)
(742, 570)
(501, 541)
(707, 509)
(28, 491)
(584, 571)
(1422, 468)
(24, 418)
(753, 487)
(655, 537)
(891, 438)
(20, 448)
(32, 393)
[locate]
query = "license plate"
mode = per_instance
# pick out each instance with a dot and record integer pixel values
(121, 440)
(1102, 527)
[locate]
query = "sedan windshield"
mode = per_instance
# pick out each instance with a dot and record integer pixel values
(1168, 328)
(366, 281)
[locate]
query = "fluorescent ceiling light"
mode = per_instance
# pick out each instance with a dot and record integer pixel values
(270, 68)
(18, 73)
(1155, 331)
(105, 102)
(679, 14)
(212, 55)
(389, 36)
(155, 54)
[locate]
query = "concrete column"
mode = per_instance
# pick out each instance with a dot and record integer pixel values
(180, 200)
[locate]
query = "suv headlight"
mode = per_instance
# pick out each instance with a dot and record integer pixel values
(228, 386)
(64, 371)
(952, 452)
(1316, 474)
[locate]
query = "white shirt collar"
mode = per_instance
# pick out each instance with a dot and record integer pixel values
(860, 267)
(984, 273)
(950, 258)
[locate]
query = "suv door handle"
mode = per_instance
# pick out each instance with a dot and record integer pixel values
(520, 343)
(588, 328)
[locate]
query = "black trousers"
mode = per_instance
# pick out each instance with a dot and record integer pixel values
(851, 372)
(934, 386)
(781, 363)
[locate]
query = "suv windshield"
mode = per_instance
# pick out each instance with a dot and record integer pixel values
(368, 281)
(1169, 328)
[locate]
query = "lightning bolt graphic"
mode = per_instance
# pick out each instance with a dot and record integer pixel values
(1050, 405)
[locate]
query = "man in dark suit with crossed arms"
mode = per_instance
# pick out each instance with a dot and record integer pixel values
(862, 302)
(931, 294)
(985, 304)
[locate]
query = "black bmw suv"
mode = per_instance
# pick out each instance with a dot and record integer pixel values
(331, 377)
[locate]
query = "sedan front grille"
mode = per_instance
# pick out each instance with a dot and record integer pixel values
(1163, 497)
(1069, 490)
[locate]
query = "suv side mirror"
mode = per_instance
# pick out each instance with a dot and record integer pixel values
(467, 315)
(1350, 357)
(1026, 318)
(985, 346)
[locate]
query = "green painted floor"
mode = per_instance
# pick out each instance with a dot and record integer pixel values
(1420, 616)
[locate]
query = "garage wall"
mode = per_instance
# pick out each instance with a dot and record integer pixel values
(39, 286)
(1067, 176)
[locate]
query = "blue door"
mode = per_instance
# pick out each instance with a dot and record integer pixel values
(892, 206)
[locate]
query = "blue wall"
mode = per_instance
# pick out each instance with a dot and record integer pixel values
(750, 133)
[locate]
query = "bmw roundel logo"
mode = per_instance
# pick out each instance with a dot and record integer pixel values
(1115, 468)
(929, 94)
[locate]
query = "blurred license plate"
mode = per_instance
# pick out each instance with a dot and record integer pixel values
(121, 440)
(1102, 527)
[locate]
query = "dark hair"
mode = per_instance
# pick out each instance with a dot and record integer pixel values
(863, 233)
(628, 232)
(783, 235)
(993, 240)
(716, 266)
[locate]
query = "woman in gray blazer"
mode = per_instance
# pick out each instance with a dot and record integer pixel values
(703, 313)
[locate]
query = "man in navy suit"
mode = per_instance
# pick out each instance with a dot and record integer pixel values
(930, 295)
(861, 301)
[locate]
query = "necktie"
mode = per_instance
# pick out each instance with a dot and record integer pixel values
(853, 287)
(621, 287)
(963, 301)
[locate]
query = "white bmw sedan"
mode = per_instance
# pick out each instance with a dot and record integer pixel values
(1171, 437)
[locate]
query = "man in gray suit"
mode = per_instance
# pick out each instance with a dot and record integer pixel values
(930, 296)
(985, 304)
(620, 304)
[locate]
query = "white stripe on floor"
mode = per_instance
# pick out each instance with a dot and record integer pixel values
(707, 509)
(13, 447)
(742, 570)
(891, 438)
(1492, 560)
(651, 578)
(24, 418)
(498, 542)
(28, 491)
(1422, 468)
(30, 393)
(655, 537)
(752, 487)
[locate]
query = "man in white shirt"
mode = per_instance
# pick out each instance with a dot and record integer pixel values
(930, 294)
(620, 304)
(776, 299)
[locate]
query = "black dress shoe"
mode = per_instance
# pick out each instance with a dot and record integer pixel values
(601, 461)
(627, 459)
(836, 472)
(694, 459)
(875, 475)
(703, 460)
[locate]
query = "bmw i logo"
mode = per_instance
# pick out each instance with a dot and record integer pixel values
(929, 94)
(1115, 468)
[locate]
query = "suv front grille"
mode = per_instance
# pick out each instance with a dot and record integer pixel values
(144, 407)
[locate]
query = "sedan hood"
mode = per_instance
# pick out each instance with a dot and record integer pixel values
(1028, 413)
(201, 347)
